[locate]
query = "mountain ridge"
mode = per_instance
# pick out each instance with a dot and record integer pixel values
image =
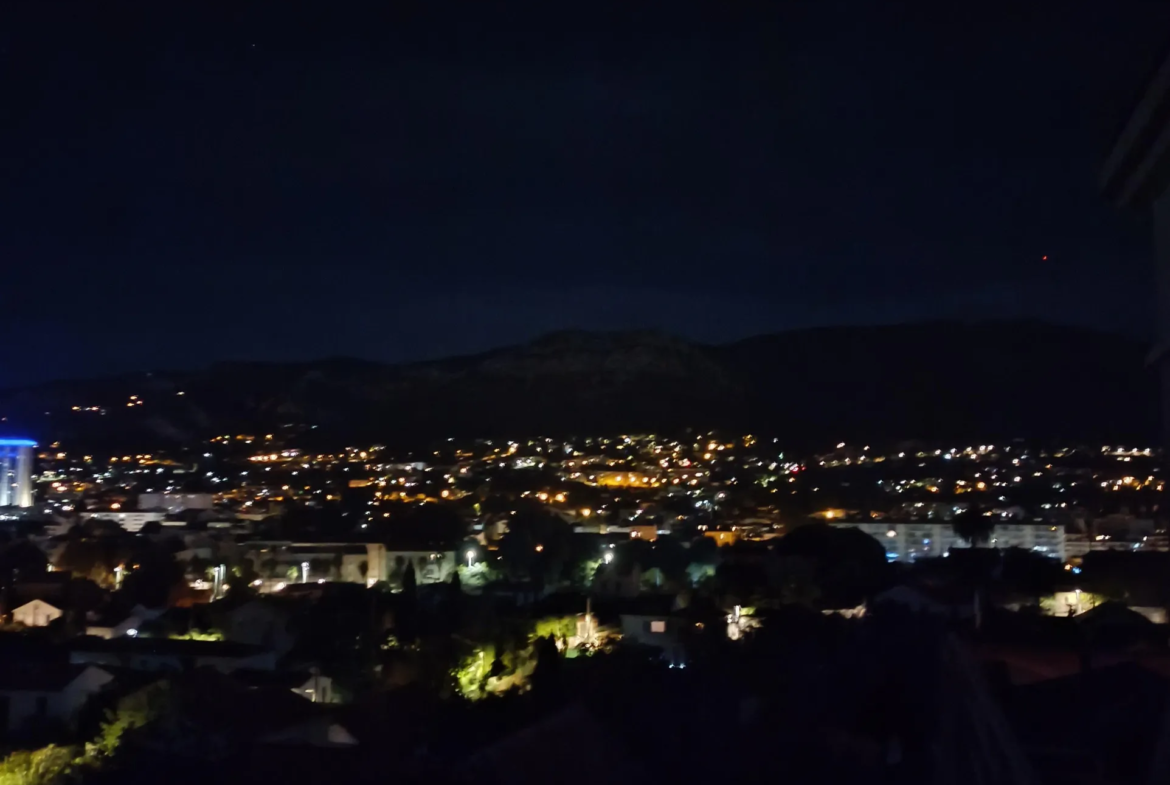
(924, 380)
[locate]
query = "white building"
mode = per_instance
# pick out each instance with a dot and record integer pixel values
(927, 539)
(130, 521)
(16, 459)
(36, 613)
(175, 502)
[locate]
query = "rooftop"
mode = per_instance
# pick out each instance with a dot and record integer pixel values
(39, 677)
(167, 646)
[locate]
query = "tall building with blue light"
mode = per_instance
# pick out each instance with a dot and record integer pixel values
(16, 460)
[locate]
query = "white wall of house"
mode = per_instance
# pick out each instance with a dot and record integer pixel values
(36, 613)
(318, 689)
(116, 631)
(429, 566)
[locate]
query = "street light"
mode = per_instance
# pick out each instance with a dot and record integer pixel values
(470, 557)
(304, 572)
(608, 557)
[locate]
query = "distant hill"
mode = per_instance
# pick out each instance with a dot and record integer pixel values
(933, 380)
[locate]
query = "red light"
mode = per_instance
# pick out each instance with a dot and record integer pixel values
(1044, 258)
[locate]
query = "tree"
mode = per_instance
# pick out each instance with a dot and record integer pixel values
(973, 527)
(240, 579)
(158, 574)
(703, 550)
(101, 527)
(546, 674)
(406, 627)
(409, 581)
(318, 568)
(49, 765)
(198, 566)
(843, 565)
(83, 557)
(437, 524)
(22, 560)
(537, 545)
(453, 604)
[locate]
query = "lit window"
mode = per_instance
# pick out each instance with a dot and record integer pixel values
(657, 626)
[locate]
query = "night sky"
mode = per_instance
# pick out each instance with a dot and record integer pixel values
(430, 178)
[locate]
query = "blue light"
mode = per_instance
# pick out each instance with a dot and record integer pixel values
(17, 443)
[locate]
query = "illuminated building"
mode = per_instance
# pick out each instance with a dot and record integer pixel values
(16, 458)
(924, 539)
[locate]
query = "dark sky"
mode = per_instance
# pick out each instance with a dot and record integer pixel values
(431, 178)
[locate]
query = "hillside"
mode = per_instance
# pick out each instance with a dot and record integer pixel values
(908, 381)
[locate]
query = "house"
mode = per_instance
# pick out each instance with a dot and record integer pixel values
(660, 631)
(429, 566)
(223, 719)
(722, 536)
(115, 624)
(260, 622)
(310, 685)
(37, 613)
(287, 562)
(164, 654)
(34, 696)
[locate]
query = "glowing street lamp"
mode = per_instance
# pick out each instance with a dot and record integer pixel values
(470, 557)
(304, 572)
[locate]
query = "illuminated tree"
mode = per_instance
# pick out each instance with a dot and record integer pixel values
(49, 765)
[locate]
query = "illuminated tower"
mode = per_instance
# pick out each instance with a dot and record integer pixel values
(16, 459)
